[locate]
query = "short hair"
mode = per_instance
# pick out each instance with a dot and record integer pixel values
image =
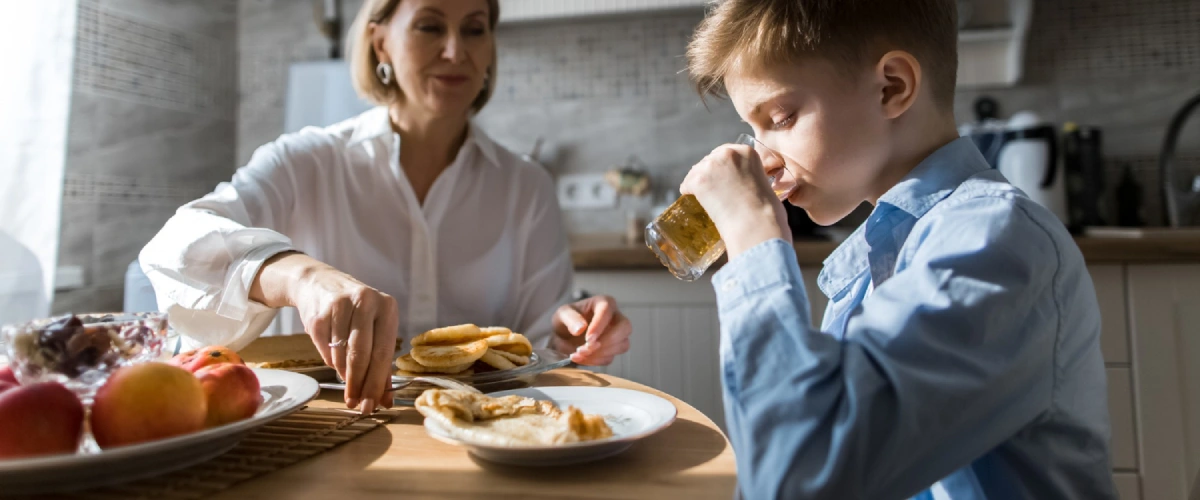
(363, 58)
(844, 32)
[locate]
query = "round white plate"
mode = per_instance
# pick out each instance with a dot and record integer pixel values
(283, 393)
(632, 415)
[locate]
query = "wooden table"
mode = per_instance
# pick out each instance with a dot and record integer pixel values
(691, 459)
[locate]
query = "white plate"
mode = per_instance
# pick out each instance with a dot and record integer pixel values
(283, 393)
(632, 415)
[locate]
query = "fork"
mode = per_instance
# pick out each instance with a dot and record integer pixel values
(442, 382)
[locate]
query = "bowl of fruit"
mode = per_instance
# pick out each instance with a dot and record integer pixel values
(92, 400)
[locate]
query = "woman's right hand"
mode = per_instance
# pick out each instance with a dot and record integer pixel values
(352, 325)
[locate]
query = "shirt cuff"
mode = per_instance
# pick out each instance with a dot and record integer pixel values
(235, 299)
(769, 264)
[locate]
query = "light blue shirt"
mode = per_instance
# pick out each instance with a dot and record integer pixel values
(959, 356)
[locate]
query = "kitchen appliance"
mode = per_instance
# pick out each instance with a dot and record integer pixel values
(1025, 151)
(319, 94)
(1083, 165)
(1180, 190)
(1130, 207)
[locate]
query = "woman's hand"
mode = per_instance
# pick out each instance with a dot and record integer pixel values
(352, 325)
(733, 189)
(592, 331)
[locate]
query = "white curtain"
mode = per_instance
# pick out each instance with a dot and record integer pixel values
(39, 41)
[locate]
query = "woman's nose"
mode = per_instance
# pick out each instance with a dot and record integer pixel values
(453, 50)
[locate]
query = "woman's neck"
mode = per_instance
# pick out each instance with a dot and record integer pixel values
(429, 143)
(435, 137)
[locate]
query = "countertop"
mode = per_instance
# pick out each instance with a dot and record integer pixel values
(612, 252)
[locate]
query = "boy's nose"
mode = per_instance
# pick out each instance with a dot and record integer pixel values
(770, 161)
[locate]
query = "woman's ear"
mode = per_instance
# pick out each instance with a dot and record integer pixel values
(899, 75)
(377, 32)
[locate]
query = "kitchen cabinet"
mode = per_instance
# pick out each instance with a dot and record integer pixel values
(991, 47)
(1151, 331)
(513, 11)
(1164, 323)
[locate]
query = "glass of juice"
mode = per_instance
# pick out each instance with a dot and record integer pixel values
(684, 237)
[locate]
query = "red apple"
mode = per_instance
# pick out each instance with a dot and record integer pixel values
(39, 419)
(232, 392)
(147, 402)
(4, 386)
(7, 375)
(196, 359)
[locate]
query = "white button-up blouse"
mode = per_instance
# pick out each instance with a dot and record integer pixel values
(487, 247)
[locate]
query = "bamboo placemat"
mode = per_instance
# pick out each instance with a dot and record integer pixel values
(303, 434)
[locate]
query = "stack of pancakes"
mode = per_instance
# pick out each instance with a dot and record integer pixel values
(464, 350)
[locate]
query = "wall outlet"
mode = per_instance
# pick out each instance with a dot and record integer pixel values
(585, 192)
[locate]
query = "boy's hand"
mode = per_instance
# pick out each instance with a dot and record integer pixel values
(732, 187)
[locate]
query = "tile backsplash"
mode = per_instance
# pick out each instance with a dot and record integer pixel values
(602, 90)
(151, 128)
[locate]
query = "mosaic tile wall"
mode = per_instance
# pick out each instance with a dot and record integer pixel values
(635, 59)
(152, 126)
(601, 90)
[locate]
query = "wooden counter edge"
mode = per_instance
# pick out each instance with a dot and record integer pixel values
(615, 255)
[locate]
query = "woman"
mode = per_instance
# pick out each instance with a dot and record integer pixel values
(402, 219)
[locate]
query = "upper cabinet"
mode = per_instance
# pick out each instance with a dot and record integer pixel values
(991, 42)
(515, 11)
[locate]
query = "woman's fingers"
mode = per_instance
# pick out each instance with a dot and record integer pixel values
(358, 359)
(341, 312)
(571, 320)
(602, 314)
(612, 342)
(379, 373)
(318, 330)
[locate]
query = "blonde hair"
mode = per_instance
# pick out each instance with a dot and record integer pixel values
(363, 59)
(845, 32)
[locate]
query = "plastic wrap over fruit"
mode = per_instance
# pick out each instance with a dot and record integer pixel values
(81, 351)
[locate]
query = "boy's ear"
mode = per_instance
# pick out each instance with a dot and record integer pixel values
(899, 75)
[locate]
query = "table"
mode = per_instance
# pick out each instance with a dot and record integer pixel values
(690, 459)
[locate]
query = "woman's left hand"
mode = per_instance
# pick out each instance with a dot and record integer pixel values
(592, 331)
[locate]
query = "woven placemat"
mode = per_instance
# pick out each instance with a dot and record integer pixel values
(303, 434)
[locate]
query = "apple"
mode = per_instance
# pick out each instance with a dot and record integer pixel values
(147, 402)
(196, 359)
(232, 392)
(7, 375)
(39, 419)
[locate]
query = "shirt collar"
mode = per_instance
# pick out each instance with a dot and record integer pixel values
(936, 177)
(931, 181)
(375, 123)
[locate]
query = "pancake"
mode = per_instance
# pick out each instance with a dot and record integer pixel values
(445, 356)
(508, 420)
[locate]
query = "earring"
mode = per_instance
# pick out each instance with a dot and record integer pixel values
(384, 72)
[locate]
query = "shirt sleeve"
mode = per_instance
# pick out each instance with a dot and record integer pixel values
(549, 273)
(942, 363)
(204, 260)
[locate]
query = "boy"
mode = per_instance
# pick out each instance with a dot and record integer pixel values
(959, 356)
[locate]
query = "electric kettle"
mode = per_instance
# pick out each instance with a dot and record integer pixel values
(1025, 151)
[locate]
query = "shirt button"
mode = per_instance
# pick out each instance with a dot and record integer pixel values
(730, 285)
